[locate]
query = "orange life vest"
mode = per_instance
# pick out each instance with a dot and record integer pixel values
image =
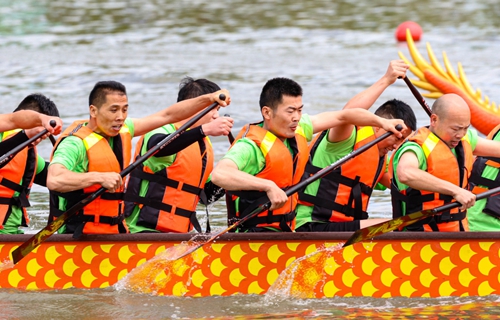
(281, 168)
(442, 164)
(17, 175)
(343, 194)
(172, 195)
(103, 215)
(476, 180)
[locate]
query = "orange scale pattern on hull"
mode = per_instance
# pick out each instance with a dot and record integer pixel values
(383, 268)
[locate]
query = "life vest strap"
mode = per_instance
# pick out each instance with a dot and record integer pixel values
(283, 220)
(162, 180)
(248, 195)
(12, 185)
(112, 196)
(334, 206)
(82, 219)
(21, 202)
(413, 198)
(448, 217)
(340, 179)
(477, 180)
(165, 207)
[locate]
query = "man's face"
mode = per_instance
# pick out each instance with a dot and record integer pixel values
(111, 115)
(390, 143)
(452, 128)
(283, 121)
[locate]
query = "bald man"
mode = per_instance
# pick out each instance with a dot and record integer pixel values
(433, 166)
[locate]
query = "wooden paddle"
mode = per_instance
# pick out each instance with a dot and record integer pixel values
(403, 221)
(52, 140)
(28, 246)
(12, 153)
(418, 96)
(295, 188)
(230, 136)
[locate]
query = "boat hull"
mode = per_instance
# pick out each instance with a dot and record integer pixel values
(395, 265)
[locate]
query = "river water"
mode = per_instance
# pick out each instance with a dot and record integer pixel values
(334, 49)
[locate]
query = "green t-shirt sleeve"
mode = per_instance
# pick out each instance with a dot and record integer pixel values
(247, 156)
(409, 147)
(473, 137)
(40, 164)
(341, 148)
(71, 154)
(130, 124)
(307, 127)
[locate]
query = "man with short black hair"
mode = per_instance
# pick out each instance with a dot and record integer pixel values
(90, 154)
(270, 156)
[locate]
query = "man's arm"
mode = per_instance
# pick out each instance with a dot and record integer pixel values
(487, 148)
(27, 119)
(178, 112)
(408, 173)
(358, 117)
(227, 175)
(67, 170)
(61, 179)
(366, 99)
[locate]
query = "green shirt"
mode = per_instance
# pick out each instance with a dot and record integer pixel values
(479, 221)
(326, 153)
(72, 154)
(249, 158)
(411, 146)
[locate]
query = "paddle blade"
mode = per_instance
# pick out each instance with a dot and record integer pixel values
(155, 274)
(28, 246)
(388, 226)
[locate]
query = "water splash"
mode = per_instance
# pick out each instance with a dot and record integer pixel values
(6, 264)
(152, 275)
(304, 276)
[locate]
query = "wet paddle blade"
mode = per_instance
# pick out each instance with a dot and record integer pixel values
(388, 226)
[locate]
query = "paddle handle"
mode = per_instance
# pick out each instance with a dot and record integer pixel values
(418, 96)
(9, 155)
(230, 136)
(479, 196)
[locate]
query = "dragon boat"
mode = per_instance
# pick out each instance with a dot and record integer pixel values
(306, 265)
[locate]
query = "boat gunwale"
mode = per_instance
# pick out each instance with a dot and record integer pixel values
(264, 236)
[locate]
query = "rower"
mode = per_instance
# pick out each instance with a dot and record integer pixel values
(90, 155)
(432, 168)
(20, 171)
(270, 156)
(162, 194)
(339, 202)
(484, 215)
